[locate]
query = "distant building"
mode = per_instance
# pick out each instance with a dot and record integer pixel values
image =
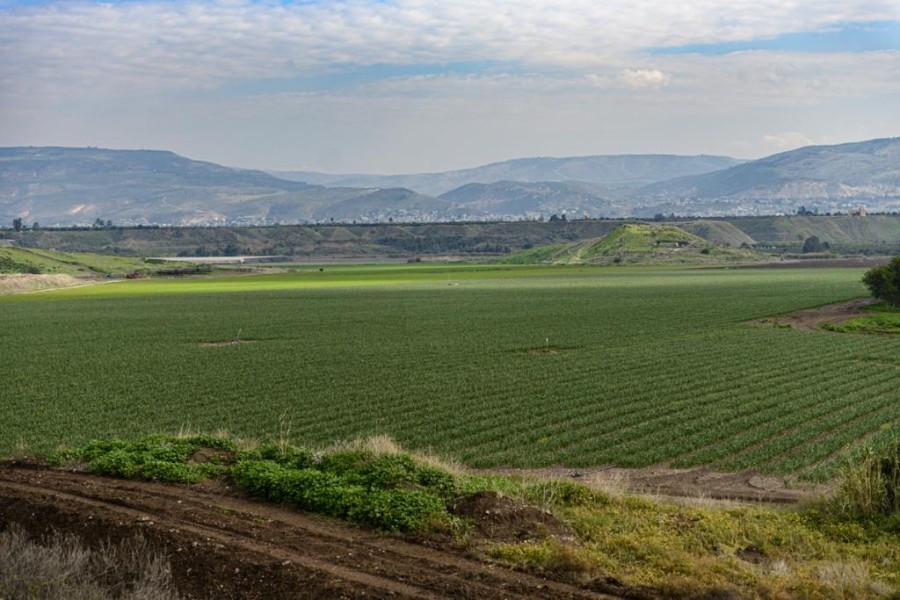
(858, 212)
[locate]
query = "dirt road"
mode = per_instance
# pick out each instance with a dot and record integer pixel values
(221, 545)
(812, 319)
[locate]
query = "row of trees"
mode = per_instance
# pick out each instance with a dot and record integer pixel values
(19, 224)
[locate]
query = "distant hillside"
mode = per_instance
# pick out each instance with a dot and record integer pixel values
(515, 199)
(66, 186)
(616, 171)
(870, 230)
(857, 171)
(637, 243)
(874, 234)
(42, 261)
(719, 232)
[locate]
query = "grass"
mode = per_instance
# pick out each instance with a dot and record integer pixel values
(60, 567)
(617, 543)
(658, 365)
(883, 320)
(33, 260)
(637, 244)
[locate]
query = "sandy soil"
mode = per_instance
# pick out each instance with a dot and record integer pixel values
(221, 545)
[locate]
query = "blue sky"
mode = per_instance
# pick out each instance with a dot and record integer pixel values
(421, 85)
(841, 37)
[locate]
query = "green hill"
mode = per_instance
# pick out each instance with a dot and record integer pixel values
(34, 261)
(719, 232)
(638, 244)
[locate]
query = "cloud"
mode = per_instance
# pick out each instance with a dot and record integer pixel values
(157, 45)
(787, 140)
(644, 78)
(179, 73)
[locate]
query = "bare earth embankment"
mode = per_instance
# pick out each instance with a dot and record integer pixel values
(220, 545)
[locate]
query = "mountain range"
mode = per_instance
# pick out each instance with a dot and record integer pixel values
(72, 186)
(626, 171)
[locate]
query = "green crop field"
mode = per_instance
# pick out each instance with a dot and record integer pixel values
(511, 365)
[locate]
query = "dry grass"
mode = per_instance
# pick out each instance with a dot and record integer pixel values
(59, 567)
(20, 284)
(384, 444)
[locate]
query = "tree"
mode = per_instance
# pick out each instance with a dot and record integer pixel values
(18, 225)
(884, 282)
(814, 244)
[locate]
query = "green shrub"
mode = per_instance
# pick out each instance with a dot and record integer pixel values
(399, 510)
(162, 458)
(870, 483)
(290, 456)
(329, 494)
(563, 493)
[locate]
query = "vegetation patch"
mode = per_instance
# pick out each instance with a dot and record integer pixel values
(638, 243)
(844, 547)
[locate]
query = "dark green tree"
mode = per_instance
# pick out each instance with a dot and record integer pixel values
(884, 282)
(814, 244)
(18, 225)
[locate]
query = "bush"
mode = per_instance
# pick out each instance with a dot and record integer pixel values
(159, 458)
(871, 483)
(342, 497)
(884, 282)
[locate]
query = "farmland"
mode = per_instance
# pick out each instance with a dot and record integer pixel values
(517, 366)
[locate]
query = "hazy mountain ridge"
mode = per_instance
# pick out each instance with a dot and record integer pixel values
(623, 171)
(513, 198)
(71, 186)
(78, 185)
(869, 169)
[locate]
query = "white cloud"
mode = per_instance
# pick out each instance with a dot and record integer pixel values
(644, 78)
(787, 140)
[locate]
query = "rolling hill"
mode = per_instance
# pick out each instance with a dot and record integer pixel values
(637, 243)
(861, 170)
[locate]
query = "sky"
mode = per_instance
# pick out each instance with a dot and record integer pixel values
(404, 86)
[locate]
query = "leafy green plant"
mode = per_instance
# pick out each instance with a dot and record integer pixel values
(160, 458)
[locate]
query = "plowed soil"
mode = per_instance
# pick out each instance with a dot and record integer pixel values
(221, 545)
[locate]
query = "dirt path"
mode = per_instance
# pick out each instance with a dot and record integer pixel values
(695, 484)
(223, 546)
(812, 319)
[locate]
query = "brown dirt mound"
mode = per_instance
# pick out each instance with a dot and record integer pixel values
(220, 545)
(506, 520)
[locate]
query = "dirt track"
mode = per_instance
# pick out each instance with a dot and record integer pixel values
(697, 484)
(223, 546)
(812, 319)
